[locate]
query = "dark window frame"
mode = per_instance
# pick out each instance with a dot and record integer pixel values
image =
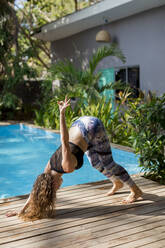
(135, 85)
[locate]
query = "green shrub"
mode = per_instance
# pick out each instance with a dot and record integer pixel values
(49, 116)
(148, 134)
(114, 117)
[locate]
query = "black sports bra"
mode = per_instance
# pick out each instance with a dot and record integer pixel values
(56, 158)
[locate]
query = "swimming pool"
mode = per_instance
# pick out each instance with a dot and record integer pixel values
(25, 150)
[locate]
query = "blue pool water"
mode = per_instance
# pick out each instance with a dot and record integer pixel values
(24, 152)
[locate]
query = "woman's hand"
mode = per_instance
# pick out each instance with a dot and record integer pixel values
(63, 105)
(11, 213)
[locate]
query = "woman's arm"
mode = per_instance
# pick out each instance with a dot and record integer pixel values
(14, 213)
(69, 161)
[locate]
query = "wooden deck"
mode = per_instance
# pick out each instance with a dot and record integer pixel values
(85, 217)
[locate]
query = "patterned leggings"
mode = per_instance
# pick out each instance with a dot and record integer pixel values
(99, 150)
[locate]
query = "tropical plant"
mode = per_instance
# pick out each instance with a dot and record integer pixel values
(147, 117)
(80, 84)
(48, 113)
(115, 117)
(85, 80)
(102, 109)
(23, 56)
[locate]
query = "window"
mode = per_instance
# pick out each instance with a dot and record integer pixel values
(130, 75)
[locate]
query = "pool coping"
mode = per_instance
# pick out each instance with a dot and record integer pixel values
(11, 122)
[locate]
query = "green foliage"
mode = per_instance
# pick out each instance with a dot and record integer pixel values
(138, 123)
(115, 118)
(103, 52)
(147, 118)
(75, 83)
(83, 81)
(14, 66)
(9, 100)
(46, 11)
(22, 56)
(48, 116)
(102, 109)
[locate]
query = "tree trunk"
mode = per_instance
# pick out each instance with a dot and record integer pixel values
(76, 5)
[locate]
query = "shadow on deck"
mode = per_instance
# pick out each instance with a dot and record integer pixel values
(86, 217)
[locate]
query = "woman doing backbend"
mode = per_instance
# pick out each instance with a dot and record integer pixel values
(86, 135)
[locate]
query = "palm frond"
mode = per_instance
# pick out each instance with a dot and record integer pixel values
(103, 52)
(66, 72)
(83, 82)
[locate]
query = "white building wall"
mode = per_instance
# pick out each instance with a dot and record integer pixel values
(140, 37)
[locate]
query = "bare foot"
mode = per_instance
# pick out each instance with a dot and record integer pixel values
(116, 186)
(11, 213)
(133, 196)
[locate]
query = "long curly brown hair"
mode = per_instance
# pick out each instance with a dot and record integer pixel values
(42, 198)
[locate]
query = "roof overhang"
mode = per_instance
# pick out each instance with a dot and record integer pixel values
(104, 12)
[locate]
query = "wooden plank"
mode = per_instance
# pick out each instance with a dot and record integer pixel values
(80, 211)
(55, 229)
(118, 220)
(82, 187)
(92, 211)
(92, 215)
(159, 243)
(91, 192)
(114, 236)
(75, 188)
(7, 208)
(111, 213)
(85, 212)
(113, 217)
(79, 201)
(112, 240)
(146, 240)
(100, 243)
(96, 202)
